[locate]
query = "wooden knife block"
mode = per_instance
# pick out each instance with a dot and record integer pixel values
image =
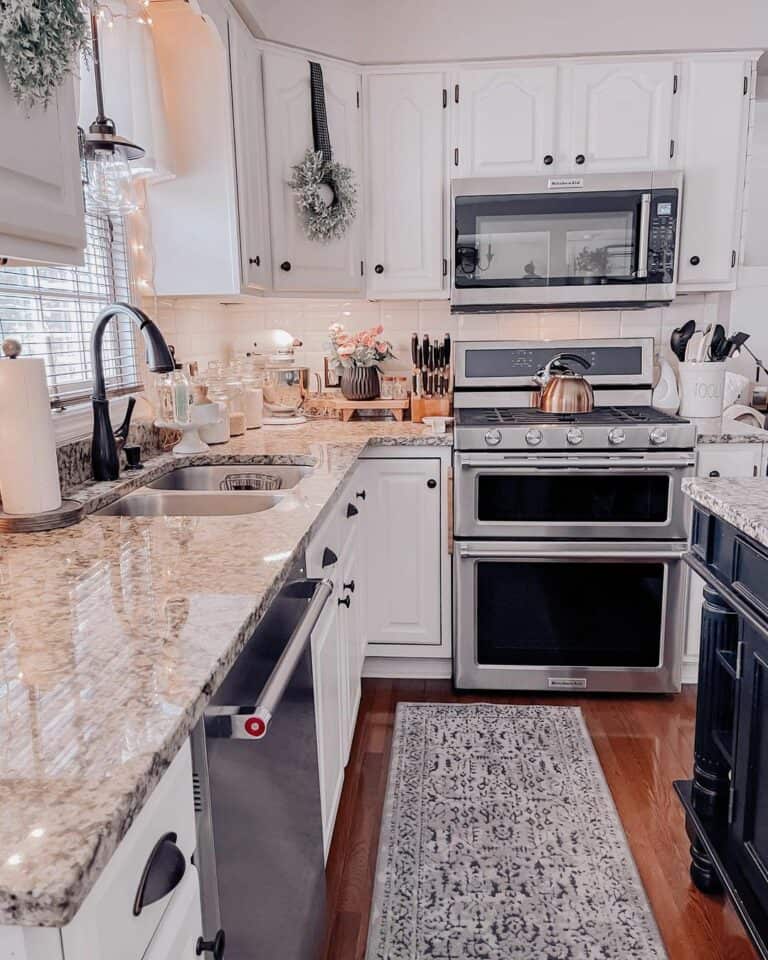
(430, 407)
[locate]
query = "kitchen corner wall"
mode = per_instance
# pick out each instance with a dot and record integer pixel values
(205, 329)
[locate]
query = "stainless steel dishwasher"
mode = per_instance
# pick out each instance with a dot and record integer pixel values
(260, 842)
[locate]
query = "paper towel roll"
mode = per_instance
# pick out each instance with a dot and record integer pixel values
(29, 474)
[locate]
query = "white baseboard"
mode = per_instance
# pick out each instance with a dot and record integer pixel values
(690, 671)
(403, 668)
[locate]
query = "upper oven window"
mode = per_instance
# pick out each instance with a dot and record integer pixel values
(536, 240)
(545, 498)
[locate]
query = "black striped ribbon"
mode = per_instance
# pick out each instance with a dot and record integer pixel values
(320, 135)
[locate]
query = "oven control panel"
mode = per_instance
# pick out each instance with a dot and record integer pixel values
(662, 236)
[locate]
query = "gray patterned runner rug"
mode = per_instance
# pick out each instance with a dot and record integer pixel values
(500, 841)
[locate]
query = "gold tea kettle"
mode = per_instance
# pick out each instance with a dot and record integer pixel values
(563, 390)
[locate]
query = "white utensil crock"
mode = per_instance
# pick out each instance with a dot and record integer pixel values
(701, 389)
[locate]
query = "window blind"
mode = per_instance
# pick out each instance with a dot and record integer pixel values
(51, 310)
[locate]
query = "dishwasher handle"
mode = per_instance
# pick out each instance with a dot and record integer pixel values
(251, 723)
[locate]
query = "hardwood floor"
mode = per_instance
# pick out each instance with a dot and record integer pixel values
(644, 743)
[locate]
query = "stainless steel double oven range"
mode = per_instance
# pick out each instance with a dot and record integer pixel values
(569, 528)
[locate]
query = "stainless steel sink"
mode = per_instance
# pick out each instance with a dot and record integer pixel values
(214, 477)
(180, 504)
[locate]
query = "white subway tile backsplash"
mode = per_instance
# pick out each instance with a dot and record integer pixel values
(599, 324)
(560, 325)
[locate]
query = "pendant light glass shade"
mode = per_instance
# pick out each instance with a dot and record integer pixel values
(109, 182)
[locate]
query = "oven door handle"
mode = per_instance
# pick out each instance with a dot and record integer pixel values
(513, 552)
(642, 249)
(570, 466)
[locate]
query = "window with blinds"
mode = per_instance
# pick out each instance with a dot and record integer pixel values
(51, 310)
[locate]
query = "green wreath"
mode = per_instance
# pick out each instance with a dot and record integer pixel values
(40, 42)
(326, 195)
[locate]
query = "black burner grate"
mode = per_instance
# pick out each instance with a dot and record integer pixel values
(531, 416)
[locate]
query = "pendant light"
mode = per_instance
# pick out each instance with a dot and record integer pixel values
(109, 185)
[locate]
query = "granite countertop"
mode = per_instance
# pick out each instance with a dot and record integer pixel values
(740, 502)
(731, 432)
(115, 633)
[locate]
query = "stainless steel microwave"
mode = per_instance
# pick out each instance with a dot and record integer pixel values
(563, 241)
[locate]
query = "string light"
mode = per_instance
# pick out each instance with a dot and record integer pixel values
(109, 16)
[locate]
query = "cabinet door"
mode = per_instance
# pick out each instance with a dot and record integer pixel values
(712, 144)
(182, 925)
(301, 264)
(352, 640)
(406, 151)
(506, 121)
(250, 156)
(750, 780)
(41, 195)
(618, 116)
(403, 553)
(329, 667)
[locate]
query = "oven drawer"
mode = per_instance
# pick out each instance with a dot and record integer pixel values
(535, 615)
(557, 496)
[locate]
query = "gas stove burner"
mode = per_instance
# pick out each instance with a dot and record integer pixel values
(532, 416)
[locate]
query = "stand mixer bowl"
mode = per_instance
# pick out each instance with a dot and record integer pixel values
(286, 387)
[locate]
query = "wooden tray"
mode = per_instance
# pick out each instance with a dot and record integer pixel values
(346, 409)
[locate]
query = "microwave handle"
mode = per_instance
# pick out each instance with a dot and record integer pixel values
(642, 249)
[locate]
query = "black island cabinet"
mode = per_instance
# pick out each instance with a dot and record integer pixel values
(726, 801)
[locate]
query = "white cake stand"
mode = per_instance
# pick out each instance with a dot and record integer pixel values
(203, 415)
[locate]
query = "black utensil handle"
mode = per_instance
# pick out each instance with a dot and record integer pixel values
(162, 873)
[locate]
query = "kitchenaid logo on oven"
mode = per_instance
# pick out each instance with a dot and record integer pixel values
(564, 183)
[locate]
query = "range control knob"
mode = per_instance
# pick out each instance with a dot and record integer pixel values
(574, 436)
(493, 438)
(658, 436)
(616, 436)
(533, 438)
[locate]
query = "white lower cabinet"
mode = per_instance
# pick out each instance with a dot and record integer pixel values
(714, 460)
(182, 925)
(403, 533)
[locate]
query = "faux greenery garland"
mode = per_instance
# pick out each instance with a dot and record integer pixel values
(324, 221)
(40, 43)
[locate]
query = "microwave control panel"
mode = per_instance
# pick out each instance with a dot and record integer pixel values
(662, 236)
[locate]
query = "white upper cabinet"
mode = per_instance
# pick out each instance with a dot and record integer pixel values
(406, 185)
(250, 156)
(41, 195)
(301, 264)
(616, 116)
(506, 121)
(713, 154)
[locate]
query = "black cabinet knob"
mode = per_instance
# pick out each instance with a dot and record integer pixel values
(714, 473)
(256, 260)
(349, 586)
(695, 261)
(162, 873)
(216, 947)
(379, 268)
(549, 159)
(329, 557)
(360, 494)
(580, 158)
(344, 601)
(431, 484)
(285, 265)
(352, 510)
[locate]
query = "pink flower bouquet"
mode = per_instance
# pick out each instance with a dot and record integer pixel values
(364, 349)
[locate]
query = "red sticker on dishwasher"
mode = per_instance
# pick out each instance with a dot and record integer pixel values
(256, 727)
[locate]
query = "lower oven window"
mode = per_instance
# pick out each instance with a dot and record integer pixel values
(596, 614)
(576, 499)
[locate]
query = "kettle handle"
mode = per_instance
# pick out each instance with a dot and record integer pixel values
(573, 357)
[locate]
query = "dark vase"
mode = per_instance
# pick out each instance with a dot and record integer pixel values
(360, 383)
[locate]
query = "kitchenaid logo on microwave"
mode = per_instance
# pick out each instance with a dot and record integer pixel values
(564, 183)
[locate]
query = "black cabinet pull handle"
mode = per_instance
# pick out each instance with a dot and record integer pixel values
(695, 261)
(285, 265)
(217, 946)
(352, 510)
(256, 260)
(162, 873)
(714, 473)
(580, 158)
(344, 601)
(329, 557)
(431, 484)
(360, 494)
(349, 586)
(379, 268)
(549, 159)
